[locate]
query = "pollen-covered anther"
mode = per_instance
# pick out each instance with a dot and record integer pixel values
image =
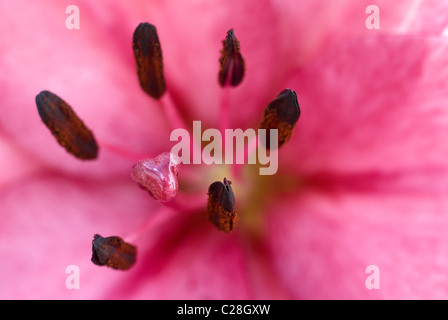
(158, 176)
(66, 126)
(281, 114)
(148, 57)
(113, 252)
(221, 206)
(232, 65)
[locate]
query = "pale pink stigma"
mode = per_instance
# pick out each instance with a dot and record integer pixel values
(158, 176)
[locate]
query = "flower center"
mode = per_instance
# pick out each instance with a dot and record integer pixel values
(241, 197)
(257, 192)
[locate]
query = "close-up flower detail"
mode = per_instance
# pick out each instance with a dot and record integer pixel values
(221, 205)
(281, 114)
(113, 252)
(355, 91)
(64, 124)
(158, 176)
(232, 65)
(148, 56)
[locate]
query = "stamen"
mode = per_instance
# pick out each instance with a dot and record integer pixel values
(172, 114)
(158, 176)
(113, 252)
(224, 110)
(282, 114)
(122, 152)
(148, 56)
(153, 221)
(66, 126)
(232, 65)
(221, 206)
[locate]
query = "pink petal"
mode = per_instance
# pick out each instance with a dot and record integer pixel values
(429, 18)
(186, 258)
(322, 243)
(318, 25)
(92, 69)
(376, 105)
(15, 164)
(48, 223)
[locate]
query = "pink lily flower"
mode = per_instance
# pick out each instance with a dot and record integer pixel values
(362, 182)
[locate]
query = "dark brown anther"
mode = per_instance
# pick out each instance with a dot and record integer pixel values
(221, 205)
(282, 114)
(113, 252)
(232, 65)
(66, 126)
(148, 56)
